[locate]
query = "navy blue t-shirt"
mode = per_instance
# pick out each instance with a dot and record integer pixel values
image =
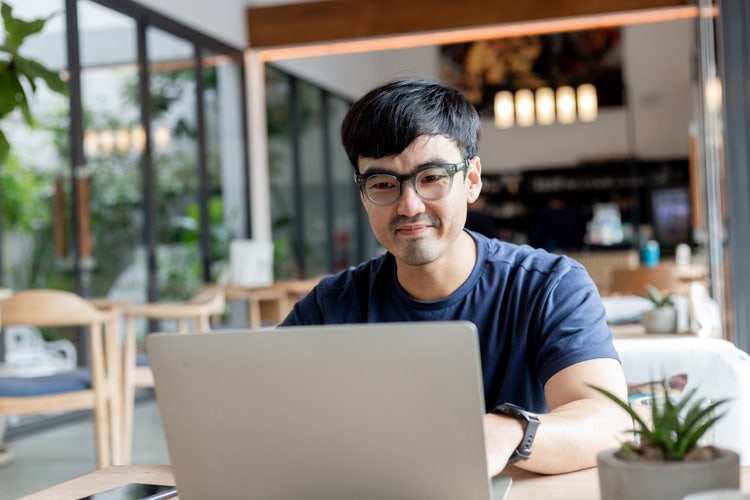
(536, 313)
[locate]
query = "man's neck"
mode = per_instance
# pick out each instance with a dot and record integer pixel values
(441, 278)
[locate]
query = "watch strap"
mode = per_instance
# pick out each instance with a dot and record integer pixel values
(531, 423)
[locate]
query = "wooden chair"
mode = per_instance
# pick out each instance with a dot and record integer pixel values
(192, 315)
(634, 281)
(599, 265)
(95, 387)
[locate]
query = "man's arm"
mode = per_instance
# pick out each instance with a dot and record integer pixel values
(580, 423)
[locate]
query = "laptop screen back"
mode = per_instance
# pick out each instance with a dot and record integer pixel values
(337, 412)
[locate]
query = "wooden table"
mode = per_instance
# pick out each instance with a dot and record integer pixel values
(581, 485)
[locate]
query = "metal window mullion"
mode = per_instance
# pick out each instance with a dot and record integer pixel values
(294, 135)
(75, 135)
(81, 276)
(205, 222)
(328, 178)
(147, 165)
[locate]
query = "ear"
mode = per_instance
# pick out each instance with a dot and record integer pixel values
(473, 179)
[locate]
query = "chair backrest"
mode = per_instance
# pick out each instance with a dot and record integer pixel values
(59, 308)
(634, 281)
(210, 299)
(599, 265)
(49, 308)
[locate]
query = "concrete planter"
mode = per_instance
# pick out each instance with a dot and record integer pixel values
(625, 480)
(660, 320)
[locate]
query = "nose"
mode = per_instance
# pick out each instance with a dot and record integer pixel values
(409, 204)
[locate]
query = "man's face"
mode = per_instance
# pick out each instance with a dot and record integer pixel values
(418, 231)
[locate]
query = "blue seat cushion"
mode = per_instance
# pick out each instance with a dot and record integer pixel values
(141, 359)
(75, 380)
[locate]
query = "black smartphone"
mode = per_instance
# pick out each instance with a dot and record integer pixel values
(136, 491)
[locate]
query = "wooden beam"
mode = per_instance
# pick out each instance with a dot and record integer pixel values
(338, 20)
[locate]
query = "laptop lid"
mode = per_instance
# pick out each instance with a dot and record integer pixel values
(387, 411)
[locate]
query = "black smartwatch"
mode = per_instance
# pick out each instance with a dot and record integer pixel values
(531, 420)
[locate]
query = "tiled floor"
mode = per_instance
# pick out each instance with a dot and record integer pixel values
(52, 456)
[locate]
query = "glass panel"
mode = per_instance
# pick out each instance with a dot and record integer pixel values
(313, 180)
(38, 157)
(112, 147)
(353, 240)
(281, 176)
(346, 203)
(225, 156)
(175, 159)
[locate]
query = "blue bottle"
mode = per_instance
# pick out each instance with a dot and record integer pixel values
(650, 254)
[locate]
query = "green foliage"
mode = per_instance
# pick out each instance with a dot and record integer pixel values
(676, 425)
(23, 196)
(18, 72)
(659, 300)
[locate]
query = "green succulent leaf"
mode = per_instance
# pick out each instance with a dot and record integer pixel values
(655, 296)
(677, 424)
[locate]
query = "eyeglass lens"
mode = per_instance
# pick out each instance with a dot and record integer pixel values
(431, 184)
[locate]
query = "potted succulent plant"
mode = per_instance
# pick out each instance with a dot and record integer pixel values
(663, 317)
(665, 459)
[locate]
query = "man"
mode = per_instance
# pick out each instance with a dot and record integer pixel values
(542, 330)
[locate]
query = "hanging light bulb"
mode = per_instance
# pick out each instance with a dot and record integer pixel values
(138, 138)
(545, 106)
(566, 104)
(587, 102)
(122, 140)
(91, 143)
(504, 109)
(161, 138)
(107, 141)
(525, 108)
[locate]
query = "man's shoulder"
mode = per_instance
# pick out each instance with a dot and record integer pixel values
(361, 275)
(527, 257)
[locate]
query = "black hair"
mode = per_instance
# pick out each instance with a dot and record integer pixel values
(388, 118)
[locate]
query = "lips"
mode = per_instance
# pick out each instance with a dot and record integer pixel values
(413, 225)
(412, 229)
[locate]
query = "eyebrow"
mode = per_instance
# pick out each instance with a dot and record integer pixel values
(432, 161)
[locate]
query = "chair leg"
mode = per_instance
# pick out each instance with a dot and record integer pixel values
(203, 322)
(114, 371)
(103, 434)
(127, 390)
(102, 430)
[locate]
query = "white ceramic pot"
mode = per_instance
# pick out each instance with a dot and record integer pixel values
(627, 480)
(660, 320)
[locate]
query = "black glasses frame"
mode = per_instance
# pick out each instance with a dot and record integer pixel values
(450, 168)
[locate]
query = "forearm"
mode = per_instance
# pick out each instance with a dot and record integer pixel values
(581, 422)
(570, 437)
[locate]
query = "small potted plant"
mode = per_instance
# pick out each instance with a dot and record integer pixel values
(665, 460)
(663, 317)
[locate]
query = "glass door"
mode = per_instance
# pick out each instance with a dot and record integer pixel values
(110, 197)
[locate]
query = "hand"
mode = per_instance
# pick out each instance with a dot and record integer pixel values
(502, 435)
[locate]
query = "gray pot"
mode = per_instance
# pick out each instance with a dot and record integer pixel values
(660, 320)
(625, 480)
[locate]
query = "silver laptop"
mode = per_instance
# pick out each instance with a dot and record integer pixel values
(377, 411)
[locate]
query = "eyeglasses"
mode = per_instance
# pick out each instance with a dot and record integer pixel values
(431, 182)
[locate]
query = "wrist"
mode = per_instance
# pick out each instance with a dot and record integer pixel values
(529, 423)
